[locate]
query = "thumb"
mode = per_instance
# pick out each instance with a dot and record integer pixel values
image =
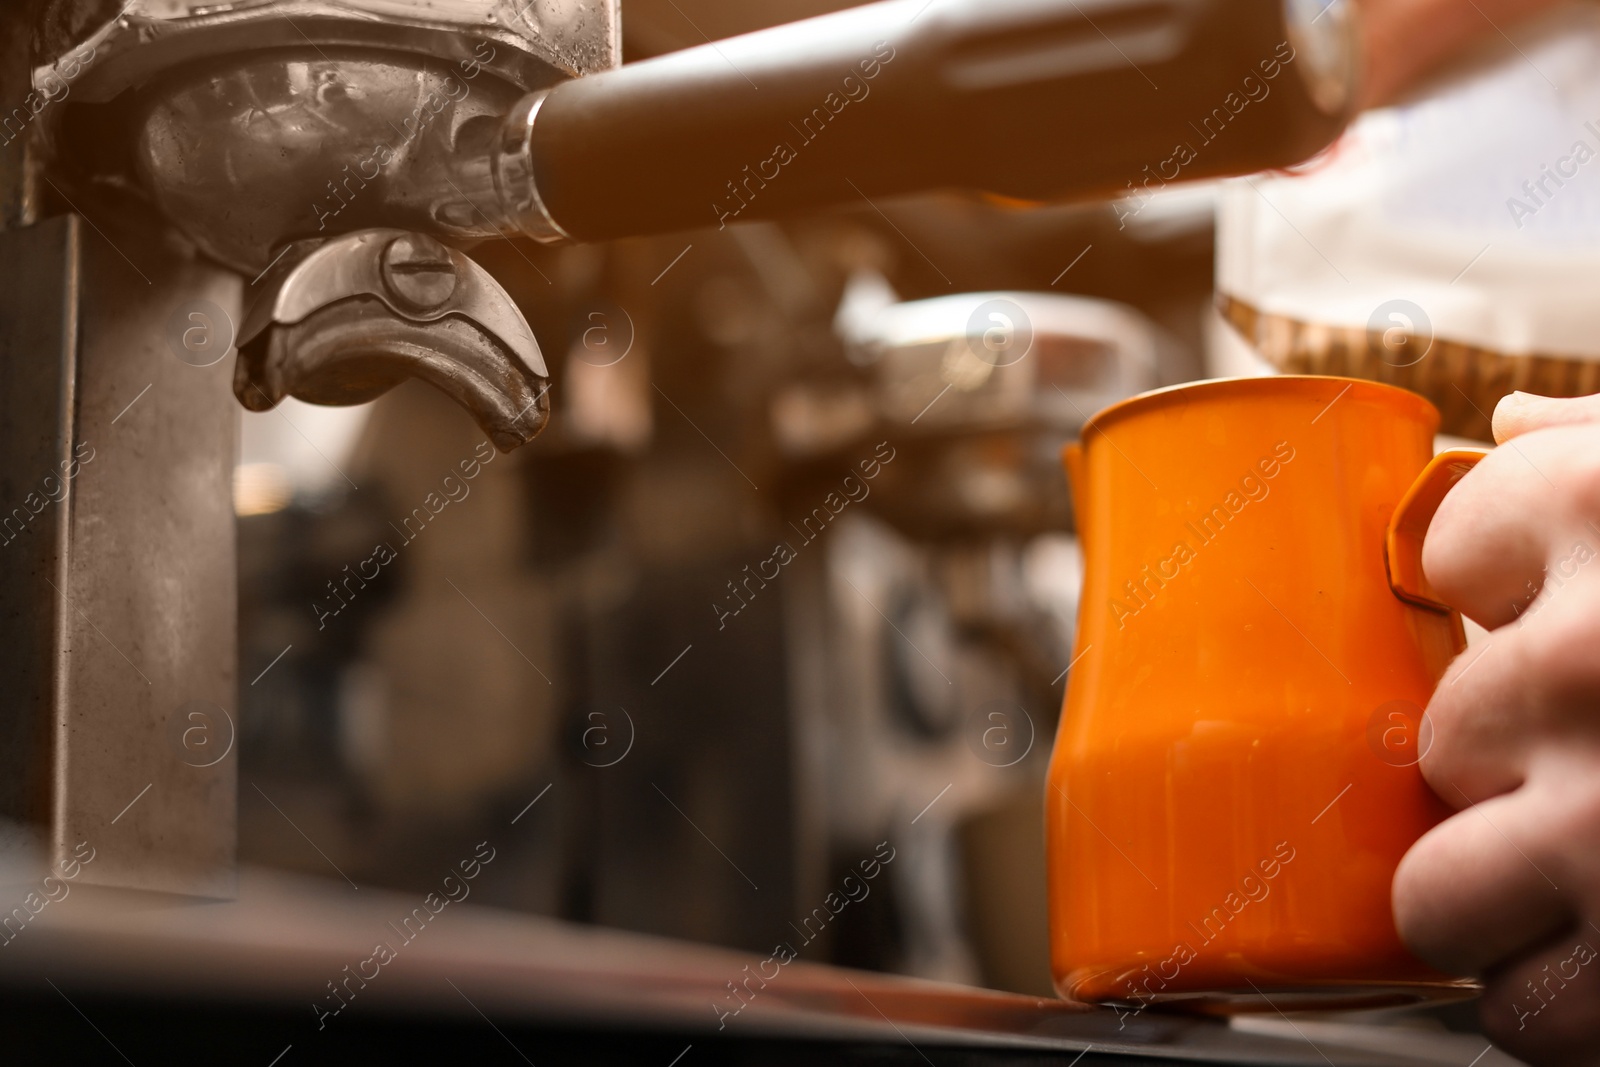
(1520, 413)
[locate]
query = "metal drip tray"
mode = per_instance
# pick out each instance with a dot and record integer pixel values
(294, 968)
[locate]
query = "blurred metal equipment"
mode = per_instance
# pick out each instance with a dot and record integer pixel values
(986, 388)
(1004, 359)
(941, 664)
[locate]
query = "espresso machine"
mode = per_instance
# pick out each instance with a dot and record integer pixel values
(305, 180)
(297, 199)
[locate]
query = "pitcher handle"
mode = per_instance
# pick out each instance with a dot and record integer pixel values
(1409, 525)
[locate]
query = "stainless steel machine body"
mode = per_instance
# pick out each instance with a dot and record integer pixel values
(118, 576)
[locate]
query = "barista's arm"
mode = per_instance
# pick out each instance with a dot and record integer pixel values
(1509, 888)
(1405, 39)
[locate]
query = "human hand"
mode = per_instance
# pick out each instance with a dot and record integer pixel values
(1403, 40)
(1508, 889)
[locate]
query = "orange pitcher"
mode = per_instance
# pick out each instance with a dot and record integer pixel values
(1234, 780)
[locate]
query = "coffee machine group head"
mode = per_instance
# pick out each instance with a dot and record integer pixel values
(304, 144)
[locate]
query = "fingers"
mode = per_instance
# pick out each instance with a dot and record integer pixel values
(1527, 687)
(1498, 889)
(1541, 1008)
(1531, 504)
(1479, 887)
(1478, 718)
(1404, 39)
(1482, 554)
(1515, 736)
(1520, 413)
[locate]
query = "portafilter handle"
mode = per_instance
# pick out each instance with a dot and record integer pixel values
(1026, 99)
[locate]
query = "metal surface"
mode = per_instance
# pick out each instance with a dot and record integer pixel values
(293, 144)
(1006, 360)
(1013, 97)
(516, 193)
(119, 596)
(331, 328)
(291, 943)
(263, 122)
(418, 272)
(19, 104)
(1329, 64)
(38, 341)
(527, 42)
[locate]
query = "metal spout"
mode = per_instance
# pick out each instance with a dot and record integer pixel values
(344, 321)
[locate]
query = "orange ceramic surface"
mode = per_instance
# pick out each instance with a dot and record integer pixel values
(1234, 779)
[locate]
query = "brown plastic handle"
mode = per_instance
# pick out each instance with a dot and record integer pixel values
(1409, 525)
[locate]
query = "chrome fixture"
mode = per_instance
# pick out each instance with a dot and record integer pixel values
(343, 321)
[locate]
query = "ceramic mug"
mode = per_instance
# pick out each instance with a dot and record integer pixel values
(1234, 780)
